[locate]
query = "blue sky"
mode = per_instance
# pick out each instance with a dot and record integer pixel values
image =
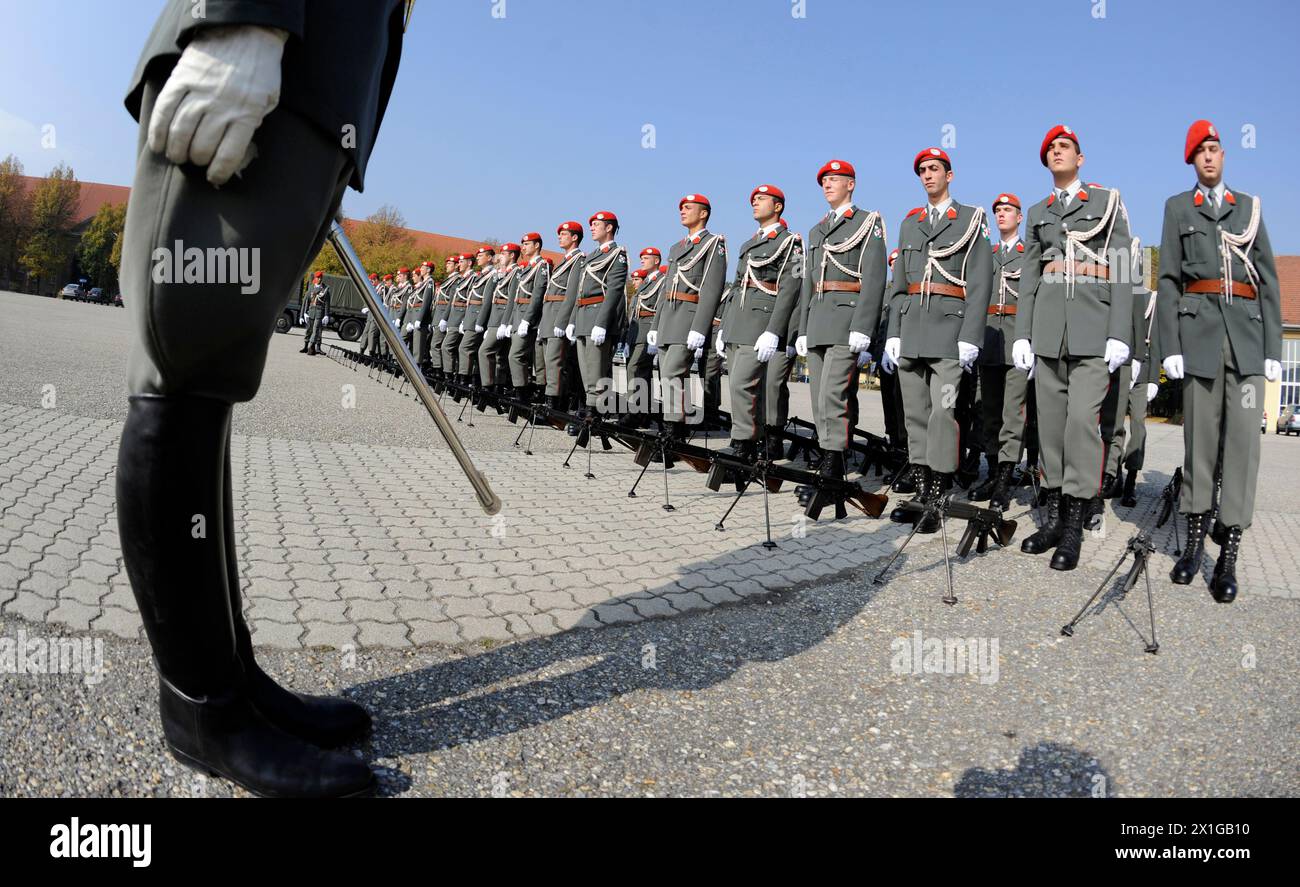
(551, 101)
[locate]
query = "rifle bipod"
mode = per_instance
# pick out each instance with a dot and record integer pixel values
(1141, 547)
(982, 524)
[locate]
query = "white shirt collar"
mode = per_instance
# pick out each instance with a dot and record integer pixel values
(940, 208)
(839, 213)
(652, 275)
(764, 231)
(572, 252)
(1011, 243)
(1216, 193)
(1072, 189)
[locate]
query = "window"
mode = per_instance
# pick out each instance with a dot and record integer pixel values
(1290, 372)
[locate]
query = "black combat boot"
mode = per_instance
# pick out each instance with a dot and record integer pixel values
(920, 476)
(1066, 556)
(1108, 489)
(1188, 566)
(984, 491)
(1223, 584)
(1000, 497)
(906, 482)
(1129, 497)
(1218, 532)
(1049, 534)
(170, 497)
(940, 484)
(327, 721)
(305, 346)
(775, 443)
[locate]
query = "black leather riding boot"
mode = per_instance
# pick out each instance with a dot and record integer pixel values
(1049, 535)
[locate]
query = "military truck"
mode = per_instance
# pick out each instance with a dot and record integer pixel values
(346, 317)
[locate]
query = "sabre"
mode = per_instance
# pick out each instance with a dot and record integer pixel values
(352, 264)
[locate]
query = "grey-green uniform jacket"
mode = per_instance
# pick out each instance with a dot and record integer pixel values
(646, 299)
(442, 301)
(848, 249)
(397, 297)
(419, 305)
(1000, 328)
(554, 311)
(1074, 319)
(766, 291)
(496, 307)
(318, 301)
(697, 266)
(459, 299)
(1194, 324)
(530, 287)
(1145, 346)
(479, 298)
(601, 274)
(930, 324)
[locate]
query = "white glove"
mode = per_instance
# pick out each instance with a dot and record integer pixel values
(1022, 355)
(1137, 371)
(502, 333)
(409, 327)
(699, 352)
(789, 351)
(766, 346)
(650, 349)
(461, 328)
(720, 346)
(326, 320)
(858, 342)
(1152, 389)
(568, 333)
(1272, 370)
(226, 81)
(889, 360)
(694, 340)
(966, 354)
(477, 328)
(559, 333)
(863, 357)
(651, 339)
(801, 346)
(523, 327)
(365, 310)
(598, 335)
(1116, 353)
(1173, 365)
(442, 325)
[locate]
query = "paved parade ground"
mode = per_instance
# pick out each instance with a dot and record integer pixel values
(585, 642)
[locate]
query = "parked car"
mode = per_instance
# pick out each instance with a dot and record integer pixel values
(1288, 421)
(117, 300)
(96, 295)
(71, 291)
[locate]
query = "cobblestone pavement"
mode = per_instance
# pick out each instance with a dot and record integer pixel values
(359, 539)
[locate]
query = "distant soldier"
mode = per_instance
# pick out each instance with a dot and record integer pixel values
(598, 310)
(367, 332)
(530, 288)
(494, 313)
(438, 318)
(318, 314)
(419, 307)
(1221, 333)
(555, 320)
(640, 355)
(458, 298)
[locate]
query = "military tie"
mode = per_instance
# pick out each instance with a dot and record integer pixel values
(1064, 197)
(934, 216)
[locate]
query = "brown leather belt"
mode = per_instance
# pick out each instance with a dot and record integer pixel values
(554, 297)
(642, 314)
(1239, 289)
(474, 302)
(500, 301)
(839, 286)
(522, 300)
(590, 300)
(442, 302)
(1002, 309)
(1080, 270)
(679, 296)
(940, 289)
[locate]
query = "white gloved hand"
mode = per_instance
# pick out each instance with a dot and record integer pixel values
(889, 360)
(478, 328)
(966, 355)
(650, 349)
(460, 328)
(720, 346)
(858, 342)
(1022, 355)
(1173, 365)
(652, 339)
(409, 327)
(1137, 371)
(766, 346)
(326, 320)
(568, 333)
(1152, 390)
(863, 357)
(442, 325)
(1272, 370)
(598, 335)
(365, 310)
(789, 351)
(501, 331)
(694, 340)
(226, 81)
(559, 333)
(801, 346)
(699, 352)
(1116, 353)
(523, 327)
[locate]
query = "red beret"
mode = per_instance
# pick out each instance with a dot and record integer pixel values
(485, 249)
(936, 153)
(694, 198)
(1007, 197)
(838, 168)
(374, 276)
(1198, 132)
(603, 216)
(569, 226)
(403, 270)
(1056, 132)
(532, 236)
(640, 272)
(651, 251)
(771, 191)
(319, 274)
(511, 248)
(388, 277)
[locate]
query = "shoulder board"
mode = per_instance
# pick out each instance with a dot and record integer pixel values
(919, 209)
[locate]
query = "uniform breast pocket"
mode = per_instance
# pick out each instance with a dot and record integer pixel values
(1189, 306)
(912, 259)
(954, 307)
(1196, 246)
